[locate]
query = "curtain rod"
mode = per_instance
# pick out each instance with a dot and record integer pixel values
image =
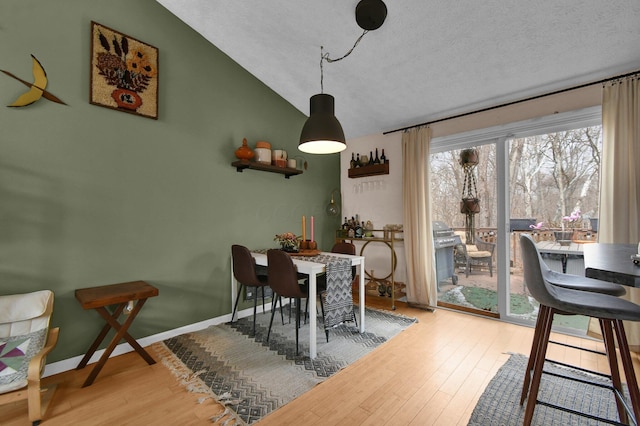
(514, 102)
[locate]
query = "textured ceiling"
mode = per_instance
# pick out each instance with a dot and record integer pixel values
(430, 59)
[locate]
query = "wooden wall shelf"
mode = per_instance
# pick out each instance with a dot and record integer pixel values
(240, 165)
(372, 170)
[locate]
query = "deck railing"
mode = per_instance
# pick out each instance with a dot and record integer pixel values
(490, 235)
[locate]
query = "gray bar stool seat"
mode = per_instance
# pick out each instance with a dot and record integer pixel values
(608, 309)
(577, 282)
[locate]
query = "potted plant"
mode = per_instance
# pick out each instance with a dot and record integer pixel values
(470, 205)
(288, 242)
(469, 157)
(565, 236)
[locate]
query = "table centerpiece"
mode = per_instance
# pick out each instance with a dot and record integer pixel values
(288, 242)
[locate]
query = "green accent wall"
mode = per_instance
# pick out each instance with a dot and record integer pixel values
(92, 196)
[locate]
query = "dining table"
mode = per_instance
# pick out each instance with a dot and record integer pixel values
(306, 266)
(612, 262)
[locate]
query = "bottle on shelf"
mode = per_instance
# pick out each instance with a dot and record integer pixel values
(383, 158)
(345, 225)
(352, 164)
(358, 231)
(377, 159)
(370, 159)
(358, 160)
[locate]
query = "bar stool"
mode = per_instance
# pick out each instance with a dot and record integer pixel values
(574, 282)
(609, 310)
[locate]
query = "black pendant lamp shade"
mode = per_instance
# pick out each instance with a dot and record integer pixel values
(322, 132)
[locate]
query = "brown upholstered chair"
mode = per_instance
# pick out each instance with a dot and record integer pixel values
(342, 248)
(283, 280)
(346, 248)
(244, 271)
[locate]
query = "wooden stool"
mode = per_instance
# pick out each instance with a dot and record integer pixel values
(99, 298)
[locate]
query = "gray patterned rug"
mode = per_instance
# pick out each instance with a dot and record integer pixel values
(253, 377)
(499, 405)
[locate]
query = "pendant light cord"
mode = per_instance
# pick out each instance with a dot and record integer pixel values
(325, 57)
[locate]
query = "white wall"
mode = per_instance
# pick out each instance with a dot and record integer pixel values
(376, 198)
(379, 198)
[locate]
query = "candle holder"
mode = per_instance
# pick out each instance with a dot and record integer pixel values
(308, 245)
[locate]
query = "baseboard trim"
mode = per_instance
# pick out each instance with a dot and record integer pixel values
(71, 363)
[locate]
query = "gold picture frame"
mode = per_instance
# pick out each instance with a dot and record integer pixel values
(124, 72)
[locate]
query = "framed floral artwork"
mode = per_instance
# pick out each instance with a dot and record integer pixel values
(124, 72)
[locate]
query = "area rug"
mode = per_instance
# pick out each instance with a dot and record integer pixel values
(252, 377)
(500, 402)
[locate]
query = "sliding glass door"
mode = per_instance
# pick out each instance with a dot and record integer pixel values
(530, 176)
(554, 195)
(454, 178)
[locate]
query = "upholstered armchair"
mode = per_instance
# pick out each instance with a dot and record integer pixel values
(480, 253)
(25, 340)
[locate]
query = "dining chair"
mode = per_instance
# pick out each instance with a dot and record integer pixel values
(25, 341)
(342, 247)
(244, 271)
(283, 280)
(610, 310)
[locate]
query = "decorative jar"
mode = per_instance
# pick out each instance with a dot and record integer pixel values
(244, 152)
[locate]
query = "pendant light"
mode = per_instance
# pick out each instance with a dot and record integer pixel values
(322, 132)
(333, 209)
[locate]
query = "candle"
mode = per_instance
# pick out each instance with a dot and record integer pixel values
(304, 229)
(312, 229)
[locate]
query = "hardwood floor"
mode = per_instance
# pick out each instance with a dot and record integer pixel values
(430, 374)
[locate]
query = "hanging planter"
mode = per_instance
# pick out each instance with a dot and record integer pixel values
(469, 157)
(470, 206)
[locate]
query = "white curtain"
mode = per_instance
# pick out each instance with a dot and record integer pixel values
(418, 237)
(620, 182)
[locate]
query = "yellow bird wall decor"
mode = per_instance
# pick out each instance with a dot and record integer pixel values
(36, 89)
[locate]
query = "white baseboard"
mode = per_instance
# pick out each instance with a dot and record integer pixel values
(71, 363)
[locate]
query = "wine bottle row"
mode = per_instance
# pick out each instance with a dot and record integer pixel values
(358, 160)
(354, 228)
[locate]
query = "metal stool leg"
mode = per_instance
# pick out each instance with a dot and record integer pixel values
(235, 307)
(627, 364)
(610, 347)
(537, 370)
(542, 316)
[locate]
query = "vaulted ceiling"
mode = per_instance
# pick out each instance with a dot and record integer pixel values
(430, 59)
